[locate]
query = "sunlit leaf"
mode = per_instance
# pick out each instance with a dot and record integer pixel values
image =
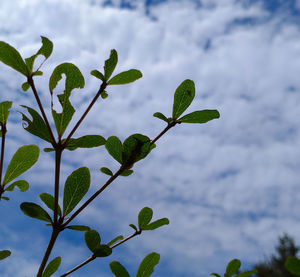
(115, 240)
(88, 141)
(78, 227)
(146, 267)
(4, 111)
(156, 224)
(92, 239)
(21, 184)
(52, 267)
(110, 64)
(114, 148)
(125, 77)
(200, 116)
(97, 74)
(49, 201)
(35, 211)
(4, 254)
(144, 217)
(118, 270)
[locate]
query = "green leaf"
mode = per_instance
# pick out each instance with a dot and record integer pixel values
(88, 141)
(37, 125)
(49, 201)
(92, 239)
(48, 150)
(125, 77)
(104, 95)
(45, 50)
(4, 254)
(144, 217)
(106, 171)
(79, 228)
(200, 116)
(25, 86)
(35, 211)
(232, 267)
(23, 159)
(110, 64)
(52, 267)
(102, 250)
(4, 111)
(183, 97)
(4, 198)
(74, 79)
(21, 184)
(97, 74)
(156, 224)
(126, 172)
(161, 116)
(293, 265)
(11, 57)
(118, 270)
(77, 185)
(215, 274)
(146, 267)
(133, 227)
(246, 273)
(114, 148)
(37, 73)
(114, 240)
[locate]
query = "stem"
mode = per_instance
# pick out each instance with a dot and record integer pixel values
(58, 152)
(79, 266)
(101, 89)
(126, 239)
(169, 126)
(30, 81)
(3, 130)
(54, 235)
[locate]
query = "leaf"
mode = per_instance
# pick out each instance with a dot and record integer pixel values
(146, 267)
(45, 50)
(11, 57)
(92, 239)
(126, 172)
(110, 64)
(133, 227)
(292, 264)
(216, 274)
(161, 116)
(35, 211)
(37, 125)
(104, 95)
(23, 159)
(246, 273)
(200, 116)
(125, 77)
(114, 148)
(102, 250)
(114, 240)
(88, 141)
(106, 171)
(79, 228)
(25, 86)
(144, 217)
(52, 267)
(4, 198)
(232, 267)
(74, 79)
(183, 97)
(21, 184)
(156, 224)
(4, 111)
(4, 254)
(118, 270)
(49, 201)
(77, 185)
(97, 74)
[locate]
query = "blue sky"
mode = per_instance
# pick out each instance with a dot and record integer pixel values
(229, 187)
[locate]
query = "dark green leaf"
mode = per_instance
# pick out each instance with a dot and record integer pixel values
(126, 172)
(200, 116)
(183, 97)
(125, 77)
(79, 228)
(215, 274)
(232, 267)
(110, 64)
(11, 57)
(48, 149)
(293, 265)
(104, 95)
(146, 267)
(4, 198)
(102, 250)
(246, 273)
(4, 254)
(161, 116)
(35, 211)
(52, 267)
(144, 217)
(49, 201)
(156, 224)
(23, 159)
(21, 184)
(77, 185)
(133, 227)
(4, 111)
(88, 141)
(106, 171)
(97, 74)
(114, 240)
(74, 79)
(114, 148)
(118, 270)
(25, 86)
(92, 239)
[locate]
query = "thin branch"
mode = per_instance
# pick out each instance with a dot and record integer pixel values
(3, 131)
(79, 266)
(58, 152)
(169, 126)
(126, 239)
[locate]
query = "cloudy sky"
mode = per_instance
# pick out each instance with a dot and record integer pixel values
(229, 187)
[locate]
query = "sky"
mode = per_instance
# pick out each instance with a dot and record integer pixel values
(230, 187)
